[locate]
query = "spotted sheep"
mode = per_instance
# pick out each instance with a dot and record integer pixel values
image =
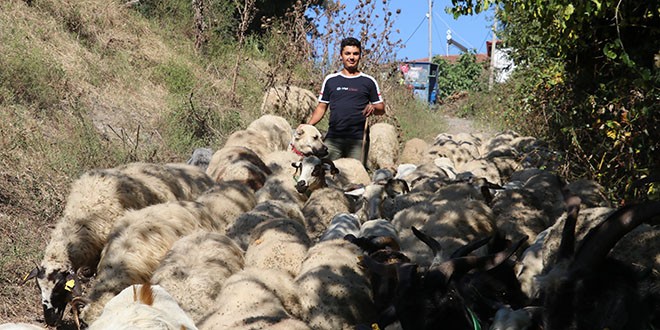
(96, 200)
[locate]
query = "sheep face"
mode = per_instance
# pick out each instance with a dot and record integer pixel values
(308, 141)
(57, 288)
(312, 173)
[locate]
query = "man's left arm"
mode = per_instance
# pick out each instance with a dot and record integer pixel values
(376, 105)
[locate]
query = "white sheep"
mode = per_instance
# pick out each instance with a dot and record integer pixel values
(321, 207)
(234, 163)
(379, 227)
(334, 291)
(254, 298)
(311, 172)
(413, 152)
(94, 203)
(139, 241)
(240, 231)
(351, 171)
(383, 146)
(227, 201)
(281, 186)
(275, 129)
(278, 244)
(452, 222)
(342, 224)
(289, 101)
(143, 307)
(195, 268)
(251, 139)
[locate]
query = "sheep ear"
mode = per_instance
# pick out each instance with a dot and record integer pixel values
(73, 284)
(329, 165)
(296, 164)
(31, 275)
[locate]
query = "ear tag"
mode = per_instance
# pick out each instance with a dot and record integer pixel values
(69, 285)
(375, 326)
(26, 276)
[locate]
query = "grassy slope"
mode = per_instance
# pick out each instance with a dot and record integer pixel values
(82, 81)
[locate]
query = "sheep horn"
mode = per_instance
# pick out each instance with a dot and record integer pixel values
(32, 274)
(601, 239)
(567, 244)
(465, 264)
(429, 241)
(466, 249)
(388, 270)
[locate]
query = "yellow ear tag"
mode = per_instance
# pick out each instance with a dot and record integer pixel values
(69, 285)
(26, 276)
(375, 326)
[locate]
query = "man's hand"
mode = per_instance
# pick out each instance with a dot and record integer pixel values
(368, 110)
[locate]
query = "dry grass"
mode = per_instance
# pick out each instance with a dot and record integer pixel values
(87, 76)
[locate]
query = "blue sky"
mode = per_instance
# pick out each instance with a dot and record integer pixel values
(470, 31)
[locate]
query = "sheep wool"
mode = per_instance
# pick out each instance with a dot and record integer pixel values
(335, 292)
(235, 163)
(196, 267)
(254, 299)
(321, 207)
(240, 231)
(143, 307)
(351, 171)
(413, 152)
(227, 201)
(275, 129)
(139, 241)
(278, 244)
(383, 146)
(289, 101)
(251, 139)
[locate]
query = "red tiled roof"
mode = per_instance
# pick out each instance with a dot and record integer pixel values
(481, 57)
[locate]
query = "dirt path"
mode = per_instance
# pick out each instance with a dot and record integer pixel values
(457, 125)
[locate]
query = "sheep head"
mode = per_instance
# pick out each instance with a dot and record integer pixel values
(308, 141)
(312, 173)
(58, 287)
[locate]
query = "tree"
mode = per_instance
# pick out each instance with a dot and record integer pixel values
(592, 68)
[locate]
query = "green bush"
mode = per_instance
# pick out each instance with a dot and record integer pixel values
(458, 77)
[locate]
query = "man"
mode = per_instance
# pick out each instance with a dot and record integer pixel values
(352, 96)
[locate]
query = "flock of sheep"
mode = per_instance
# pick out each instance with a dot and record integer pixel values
(465, 232)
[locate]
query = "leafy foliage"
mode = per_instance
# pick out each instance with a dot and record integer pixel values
(591, 70)
(458, 77)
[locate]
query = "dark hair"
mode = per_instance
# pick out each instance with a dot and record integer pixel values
(350, 41)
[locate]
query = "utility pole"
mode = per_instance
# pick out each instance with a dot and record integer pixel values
(430, 16)
(492, 53)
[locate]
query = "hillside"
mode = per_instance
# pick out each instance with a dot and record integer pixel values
(93, 84)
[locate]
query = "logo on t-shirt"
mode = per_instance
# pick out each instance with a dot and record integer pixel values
(350, 89)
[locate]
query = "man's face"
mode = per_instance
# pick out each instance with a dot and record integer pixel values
(350, 56)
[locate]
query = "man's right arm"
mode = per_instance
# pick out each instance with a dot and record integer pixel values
(318, 113)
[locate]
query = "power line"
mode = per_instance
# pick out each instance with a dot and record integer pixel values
(417, 28)
(454, 31)
(483, 42)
